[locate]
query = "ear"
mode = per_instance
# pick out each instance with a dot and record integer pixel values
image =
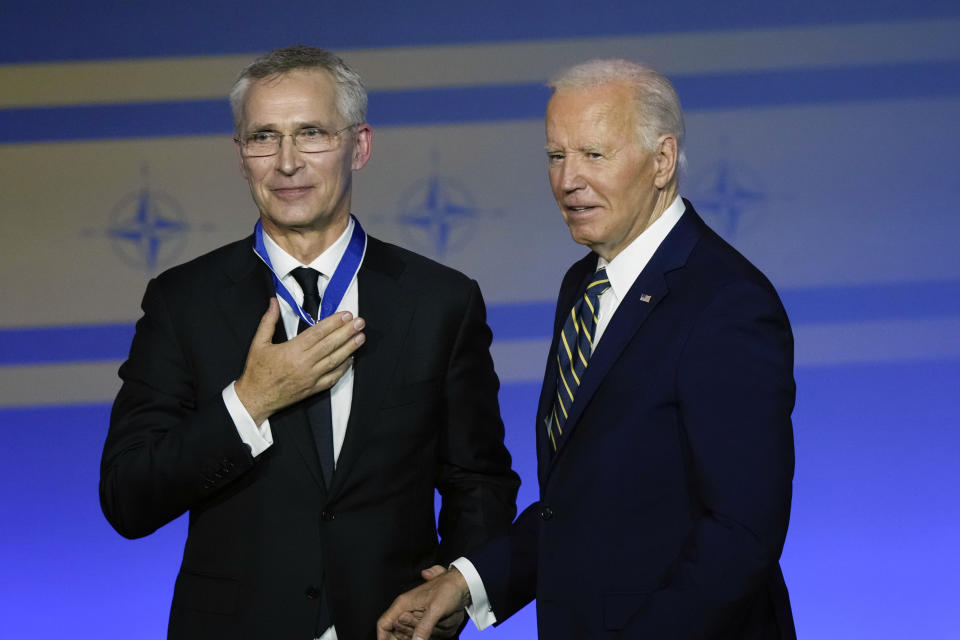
(362, 146)
(666, 161)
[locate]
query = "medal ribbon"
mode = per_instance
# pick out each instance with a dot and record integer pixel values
(339, 282)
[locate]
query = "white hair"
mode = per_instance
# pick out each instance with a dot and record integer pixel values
(657, 103)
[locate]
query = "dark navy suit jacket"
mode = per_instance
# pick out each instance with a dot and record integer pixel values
(663, 512)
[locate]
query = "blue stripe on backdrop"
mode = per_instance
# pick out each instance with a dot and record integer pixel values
(520, 321)
(97, 122)
(92, 29)
(872, 302)
(820, 85)
(77, 343)
(492, 103)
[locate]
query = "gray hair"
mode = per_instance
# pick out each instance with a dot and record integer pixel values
(657, 103)
(351, 95)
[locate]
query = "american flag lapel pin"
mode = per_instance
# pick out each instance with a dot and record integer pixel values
(644, 297)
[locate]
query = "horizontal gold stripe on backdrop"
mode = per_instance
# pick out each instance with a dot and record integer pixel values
(210, 77)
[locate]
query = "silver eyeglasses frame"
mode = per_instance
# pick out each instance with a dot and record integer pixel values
(276, 140)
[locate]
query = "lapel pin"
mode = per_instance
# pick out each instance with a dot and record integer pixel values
(645, 297)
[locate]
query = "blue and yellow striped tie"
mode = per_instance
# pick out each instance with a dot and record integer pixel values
(573, 351)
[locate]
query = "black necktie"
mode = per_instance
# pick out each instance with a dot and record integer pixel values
(318, 405)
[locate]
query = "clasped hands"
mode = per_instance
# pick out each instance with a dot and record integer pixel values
(278, 375)
(435, 609)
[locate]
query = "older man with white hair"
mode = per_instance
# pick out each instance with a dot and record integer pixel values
(664, 439)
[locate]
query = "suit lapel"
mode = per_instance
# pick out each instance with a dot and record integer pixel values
(388, 313)
(243, 305)
(547, 394)
(245, 300)
(647, 292)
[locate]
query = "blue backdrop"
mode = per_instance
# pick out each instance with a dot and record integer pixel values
(822, 142)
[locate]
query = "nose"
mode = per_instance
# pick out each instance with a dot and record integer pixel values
(570, 177)
(289, 160)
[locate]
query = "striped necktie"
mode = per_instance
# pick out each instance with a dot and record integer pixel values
(573, 351)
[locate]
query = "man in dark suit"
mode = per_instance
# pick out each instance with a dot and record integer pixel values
(307, 453)
(665, 447)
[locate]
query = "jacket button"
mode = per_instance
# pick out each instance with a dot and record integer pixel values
(312, 592)
(328, 516)
(546, 513)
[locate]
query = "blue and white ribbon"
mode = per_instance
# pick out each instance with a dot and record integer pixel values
(339, 282)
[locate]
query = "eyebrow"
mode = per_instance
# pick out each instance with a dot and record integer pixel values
(584, 148)
(270, 126)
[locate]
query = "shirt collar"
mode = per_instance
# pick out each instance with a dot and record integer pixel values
(326, 263)
(627, 265)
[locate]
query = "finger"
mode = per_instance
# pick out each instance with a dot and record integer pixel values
(336, 337)
(426, 625)
(385, 630)
(433, 572)
(328, 379)
(403, 633)
(410, 619)
(400, 629)
(320, 330)
(268, 323)
(406, 625)
(333, 349)
(331, 355)
(336, 332)
(385, 634)
(387, 624)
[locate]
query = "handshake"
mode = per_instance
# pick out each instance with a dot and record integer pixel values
(435, 609)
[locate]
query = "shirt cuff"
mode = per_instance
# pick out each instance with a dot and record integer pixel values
(257, 438)
(479, 610)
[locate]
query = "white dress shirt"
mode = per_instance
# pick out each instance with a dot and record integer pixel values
(259, 437)
(622, 272)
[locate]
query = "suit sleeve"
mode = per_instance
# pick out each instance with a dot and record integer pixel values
(508, 564)
(474, 477)
(167, 448)
(736, 392)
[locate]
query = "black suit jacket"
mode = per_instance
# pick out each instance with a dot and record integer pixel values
(664, 510)
(265, 533)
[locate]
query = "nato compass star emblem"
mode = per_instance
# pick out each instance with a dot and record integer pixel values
(724, 192)
(436, 214)
(147, 229)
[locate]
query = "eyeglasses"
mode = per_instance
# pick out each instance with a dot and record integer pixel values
(307, 140)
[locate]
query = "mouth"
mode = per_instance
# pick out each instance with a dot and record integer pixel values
(578, 209)
(290, 193)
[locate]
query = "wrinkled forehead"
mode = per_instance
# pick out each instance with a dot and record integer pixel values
(577, 116)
